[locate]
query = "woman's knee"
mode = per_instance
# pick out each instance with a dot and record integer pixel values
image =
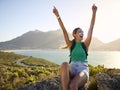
(64, 65)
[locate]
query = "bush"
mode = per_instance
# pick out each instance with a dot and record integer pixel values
(97, 69)
(30, 79)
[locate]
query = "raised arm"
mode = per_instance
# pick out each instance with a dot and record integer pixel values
(90, 31)
(55, 11)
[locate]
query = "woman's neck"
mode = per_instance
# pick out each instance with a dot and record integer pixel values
(77, 40)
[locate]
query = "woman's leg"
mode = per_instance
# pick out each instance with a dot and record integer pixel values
(78, 81)
(65, 73)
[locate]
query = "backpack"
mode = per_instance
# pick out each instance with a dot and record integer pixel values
(83, 46)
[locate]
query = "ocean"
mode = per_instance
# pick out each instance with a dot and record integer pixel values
(110, 59)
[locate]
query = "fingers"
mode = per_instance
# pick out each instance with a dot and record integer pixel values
(94, 7)
(54, 7)
(55, 11)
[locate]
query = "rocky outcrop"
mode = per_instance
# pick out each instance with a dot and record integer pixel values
(49, 84)
(108, 81)
(104, 81)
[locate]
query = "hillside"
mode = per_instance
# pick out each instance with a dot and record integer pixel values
(14, 75)
(111, 46)
(51, 40)
(35, 40)
(34, 77)
(95, 43)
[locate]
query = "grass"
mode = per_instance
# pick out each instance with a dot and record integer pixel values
(39, 62)
(13, 76)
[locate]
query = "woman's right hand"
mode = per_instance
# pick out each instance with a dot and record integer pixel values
(55, 11)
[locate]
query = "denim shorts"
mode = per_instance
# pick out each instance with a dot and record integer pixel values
(78, 66)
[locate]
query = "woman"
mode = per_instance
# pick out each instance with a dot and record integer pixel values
(76, 74)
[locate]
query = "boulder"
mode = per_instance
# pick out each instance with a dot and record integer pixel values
(108, 82)
(49, 84)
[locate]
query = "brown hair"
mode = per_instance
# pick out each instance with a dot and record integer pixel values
(75, 30)
(73, 41)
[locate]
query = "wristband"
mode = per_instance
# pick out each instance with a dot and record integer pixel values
(58, 17)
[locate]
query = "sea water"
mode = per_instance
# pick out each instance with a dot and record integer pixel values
(110, 59)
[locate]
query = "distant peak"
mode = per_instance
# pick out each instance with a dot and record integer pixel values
(36, 30)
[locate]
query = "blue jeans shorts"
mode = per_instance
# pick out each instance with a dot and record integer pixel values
(78, 66)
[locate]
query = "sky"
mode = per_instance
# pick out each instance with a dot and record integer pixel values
(20, 16)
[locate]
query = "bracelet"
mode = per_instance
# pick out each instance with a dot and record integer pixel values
(58, 17)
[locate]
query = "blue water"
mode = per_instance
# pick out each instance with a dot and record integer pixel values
(110, 59)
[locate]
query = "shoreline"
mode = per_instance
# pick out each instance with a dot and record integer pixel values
(106, 58)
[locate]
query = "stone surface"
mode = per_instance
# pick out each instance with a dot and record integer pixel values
(49, 84)
(108, 82)
(105, 81)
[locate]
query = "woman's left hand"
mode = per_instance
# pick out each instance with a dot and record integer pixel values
(94, 8)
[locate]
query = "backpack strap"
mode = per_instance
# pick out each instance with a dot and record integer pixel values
(84, 47)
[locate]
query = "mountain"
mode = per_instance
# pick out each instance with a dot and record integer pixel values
(35, 40)
(111, 46)
(51, 40)
(95, 43)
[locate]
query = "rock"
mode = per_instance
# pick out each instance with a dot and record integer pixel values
(104, 81)
(49, 84)
(108, 82)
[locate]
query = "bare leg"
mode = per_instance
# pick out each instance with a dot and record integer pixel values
(65, 75)
(79, 80)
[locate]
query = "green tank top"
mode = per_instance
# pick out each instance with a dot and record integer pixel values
(78, 53)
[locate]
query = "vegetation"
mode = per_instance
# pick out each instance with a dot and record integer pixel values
(14, 76)
(96, 69)
(9, 58)
(39, 62)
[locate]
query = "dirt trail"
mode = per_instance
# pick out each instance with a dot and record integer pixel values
(19, 62)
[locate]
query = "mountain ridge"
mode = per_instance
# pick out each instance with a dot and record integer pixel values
(52, 40)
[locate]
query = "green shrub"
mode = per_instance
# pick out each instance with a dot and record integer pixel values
(30, 79)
